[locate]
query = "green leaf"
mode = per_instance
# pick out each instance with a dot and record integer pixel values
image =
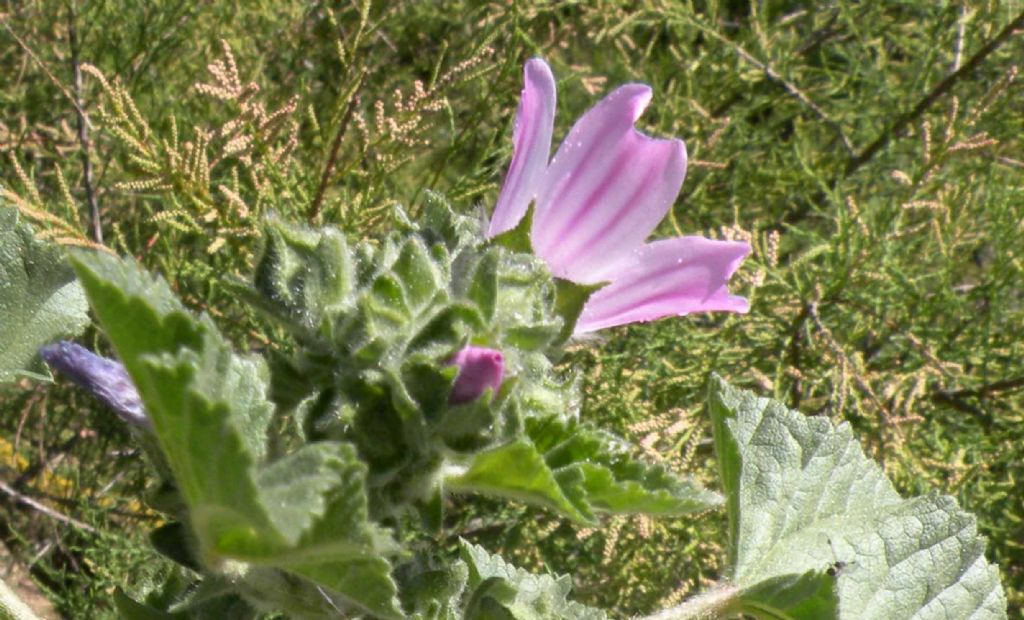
(419, 274)
(518, 471)
(341, 549)
(305, 513)
(40, 301)
(578, 471)
(433, 590)
(129, 609)
(500, 590)
(205, 403)
(570, 298)
(517, 239)
(525, 304)
(802, 496)
(304, 277)
(483, 289)
(613, 481)
(810, 596)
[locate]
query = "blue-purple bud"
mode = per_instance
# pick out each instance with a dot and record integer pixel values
(104, 378)
(480, 368)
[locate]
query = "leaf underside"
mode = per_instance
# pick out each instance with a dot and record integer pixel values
(802, 496)
(40, 300)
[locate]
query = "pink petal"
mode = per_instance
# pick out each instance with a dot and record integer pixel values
(606, 189)
(669, 277)
(480, 369)
(531, 138)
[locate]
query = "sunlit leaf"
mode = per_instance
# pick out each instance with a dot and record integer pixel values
(40, 301)
(802, 496)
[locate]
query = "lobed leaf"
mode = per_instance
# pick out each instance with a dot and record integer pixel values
(304, 513)
(802, 496)
(578, 472)
(500, 590)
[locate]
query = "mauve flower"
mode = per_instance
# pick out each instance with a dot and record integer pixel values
(104, 378)
(597, 201)
(480, 368)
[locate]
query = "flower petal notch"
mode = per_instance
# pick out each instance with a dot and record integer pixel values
(105, 378)
(480, 369)
(531, 144)
(606, 189)
(596, 202)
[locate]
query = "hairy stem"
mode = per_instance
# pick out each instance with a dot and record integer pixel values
(12, 607)
(718, 603)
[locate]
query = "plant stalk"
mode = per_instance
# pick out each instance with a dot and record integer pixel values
(12, 607)
(716, 604)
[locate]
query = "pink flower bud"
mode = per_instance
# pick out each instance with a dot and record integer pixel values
(480, 368)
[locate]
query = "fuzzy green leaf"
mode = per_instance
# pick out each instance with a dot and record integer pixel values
(612, 480)
(40, 300)
(518, 471)
(578, 472)
(570, 298)
(305, 277)
(340, 549)
(518, 239)
(305, 513)
(802, 495)
(809, 596)
(500, 590)
(432, 590)
(129, 609)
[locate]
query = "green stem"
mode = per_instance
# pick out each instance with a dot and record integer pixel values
(12, 607)
(716, 604)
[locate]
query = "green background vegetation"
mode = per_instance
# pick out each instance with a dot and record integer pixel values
(870, 151)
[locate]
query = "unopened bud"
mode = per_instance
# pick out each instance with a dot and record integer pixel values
(480, 368)
(105, 378)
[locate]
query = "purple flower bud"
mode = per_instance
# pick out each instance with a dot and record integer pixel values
(105, 378)
(480, 368)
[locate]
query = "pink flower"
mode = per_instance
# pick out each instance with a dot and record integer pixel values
(597, 201)
(480, 369)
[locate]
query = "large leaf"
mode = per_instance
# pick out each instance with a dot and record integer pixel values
(579, 471)
(500, 590)
(802, 496)
(305, 513)
(40, 301)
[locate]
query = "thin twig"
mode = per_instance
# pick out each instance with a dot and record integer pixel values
(961, 35)
(837, 350)
(1006, 385)
(786, 85)
(906, 119)
(332, 158)
(83, 130)
(42, 66)
(44, 509)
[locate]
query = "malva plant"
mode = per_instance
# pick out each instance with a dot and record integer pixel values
(312, 480)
